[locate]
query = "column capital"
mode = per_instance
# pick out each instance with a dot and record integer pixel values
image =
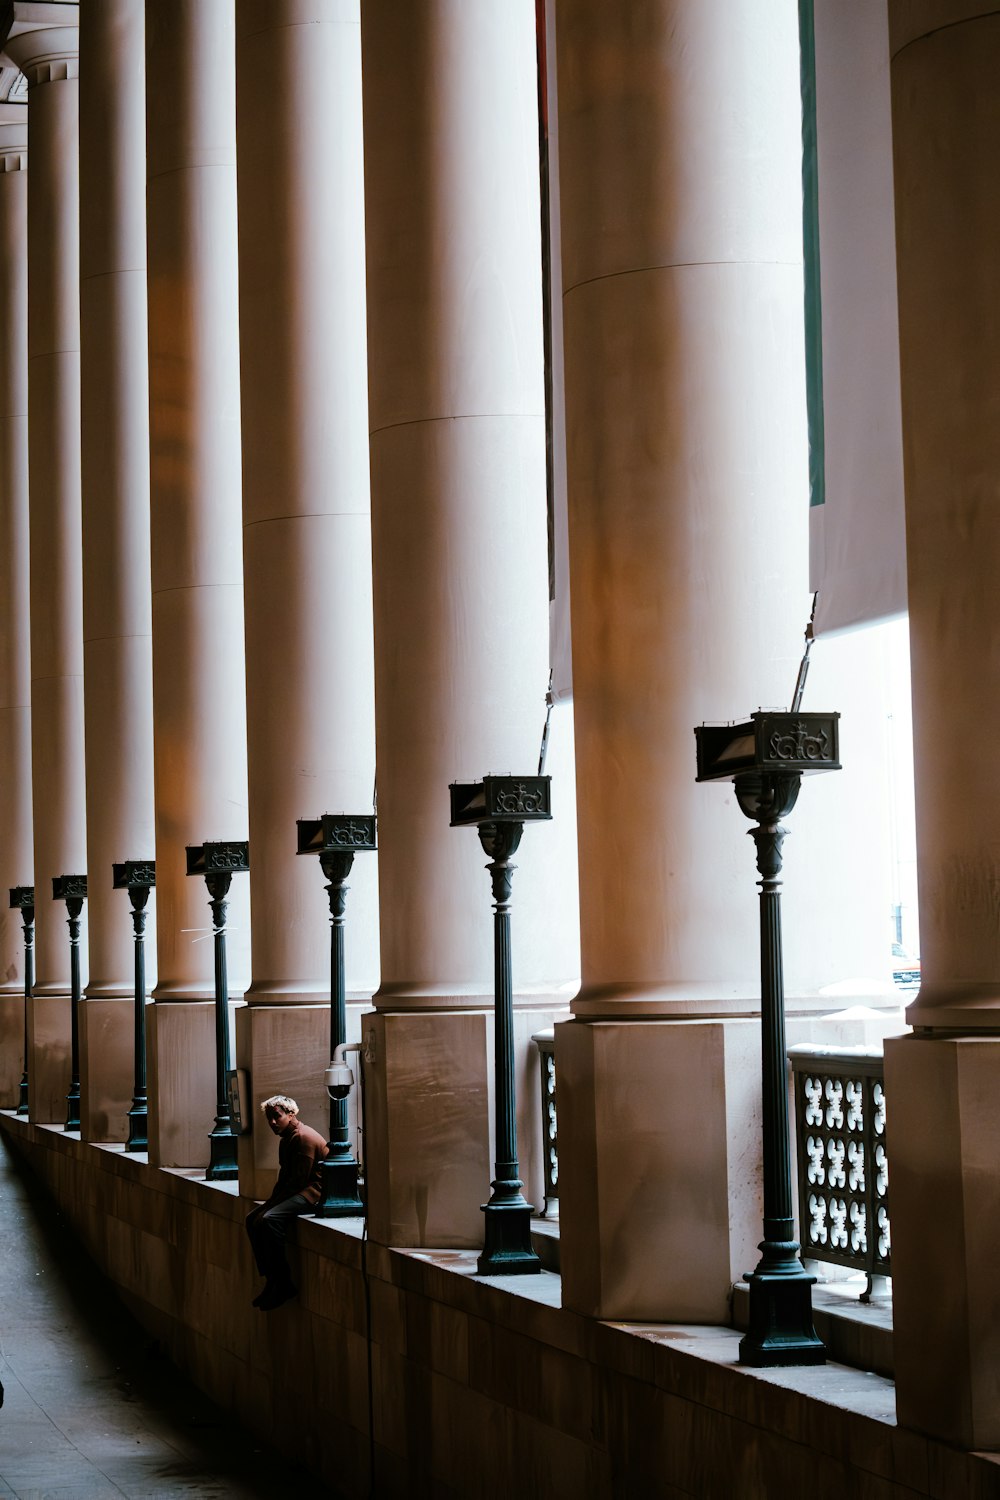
(45, 54)
(13, 146)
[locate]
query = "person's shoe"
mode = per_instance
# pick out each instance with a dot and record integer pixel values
(273, 1296)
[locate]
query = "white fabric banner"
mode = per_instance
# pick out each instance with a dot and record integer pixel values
(857, 531)
(560, 647)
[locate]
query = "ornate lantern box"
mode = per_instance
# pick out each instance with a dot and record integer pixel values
(134, 873)
(22, 897)
(218, 859)
(350, 832)
(501, 799)
(69, 887)
(769, 741)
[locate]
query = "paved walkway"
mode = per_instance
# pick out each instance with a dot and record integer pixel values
(91, 1411)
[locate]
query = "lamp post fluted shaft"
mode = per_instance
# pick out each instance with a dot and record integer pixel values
(498, 808)
(72, 889)
(28, 928)
(780, 1324)
(138, 877)
(779, 1229)
(222, 1162)
(340, 1198)
(336, 838)
(24, 898)
(765, 758)
(507, 1249)
(337, 891)
(74, 906)
(508, 1182)
(218, 863)
(138, 1114)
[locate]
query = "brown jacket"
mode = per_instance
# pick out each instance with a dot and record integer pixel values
(300, 1151)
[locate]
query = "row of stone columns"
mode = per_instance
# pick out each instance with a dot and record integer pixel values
(684, 399)
(175, 508)
(455, 438)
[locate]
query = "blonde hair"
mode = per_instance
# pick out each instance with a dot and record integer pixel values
(280, 1101)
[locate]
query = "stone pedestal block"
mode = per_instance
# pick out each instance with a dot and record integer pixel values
(180, 1063)
(107, 1068)
(943, 1108)
(285, 1049)
(427, 1108)
(49, 1061)
(11, 1049)
(659, 1166)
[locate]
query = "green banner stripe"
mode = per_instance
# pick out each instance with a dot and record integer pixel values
(810, 256)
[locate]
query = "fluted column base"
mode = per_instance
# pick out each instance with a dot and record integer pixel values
(107, 1067)
(430, 1163)
(659, 1166)
(180, 1065)
(943, 1101)
(49, 1058)
(660, 1160)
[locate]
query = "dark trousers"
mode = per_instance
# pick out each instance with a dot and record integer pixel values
(267, 1228)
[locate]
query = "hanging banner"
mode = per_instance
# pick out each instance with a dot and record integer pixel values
(857, 539)
(560, 651)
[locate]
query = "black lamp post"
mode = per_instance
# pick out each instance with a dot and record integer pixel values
(219, 863)
(336, 838)
(138, 877)
(499, 807)
(765, 758)
(73, 890)
(22, 899)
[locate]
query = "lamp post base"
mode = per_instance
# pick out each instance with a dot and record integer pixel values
(22, 1098)
(781, 1328)
(222, 1163)
(341, 1198)
(508, 1251)
(138, 1127)
(73, 1108)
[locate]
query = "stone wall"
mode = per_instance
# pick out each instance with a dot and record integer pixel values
(477, 1389)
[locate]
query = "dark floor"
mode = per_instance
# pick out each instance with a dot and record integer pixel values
(91, 1409)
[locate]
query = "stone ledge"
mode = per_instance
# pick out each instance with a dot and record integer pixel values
(629, 1408)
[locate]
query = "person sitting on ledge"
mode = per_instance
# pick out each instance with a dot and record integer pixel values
(301, 1151)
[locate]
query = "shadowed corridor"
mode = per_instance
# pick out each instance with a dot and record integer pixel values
(92, 1409)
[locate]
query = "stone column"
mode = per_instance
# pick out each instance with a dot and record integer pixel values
(943, 1083)
(680, 154)
(15, 655)
(458, 521)
(307, 529)
(199, 709)
(48, 58)
(116, 589)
